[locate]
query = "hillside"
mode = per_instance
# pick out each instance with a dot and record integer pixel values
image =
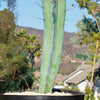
(68, 53)
(68, 49)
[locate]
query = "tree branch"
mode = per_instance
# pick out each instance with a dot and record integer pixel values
(93, 12)
(25, 81)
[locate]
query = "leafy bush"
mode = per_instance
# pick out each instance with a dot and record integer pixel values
(15, 57)
(81, 56)
(72, 87)
(89, 94)
(98, 97)
(7, 25)
(17, 76)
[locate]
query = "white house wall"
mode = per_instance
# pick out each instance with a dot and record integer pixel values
(82, 86)
(96, 94)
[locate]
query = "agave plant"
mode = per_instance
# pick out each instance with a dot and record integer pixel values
(54, 17)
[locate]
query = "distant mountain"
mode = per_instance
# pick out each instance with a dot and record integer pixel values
(68, 48)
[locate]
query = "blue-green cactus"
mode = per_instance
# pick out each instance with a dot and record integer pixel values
(54, 17)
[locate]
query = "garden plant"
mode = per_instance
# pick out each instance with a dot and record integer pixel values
(54, 12)
(54, 17)
(17, 51)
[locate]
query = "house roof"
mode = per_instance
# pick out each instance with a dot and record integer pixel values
(80, 74)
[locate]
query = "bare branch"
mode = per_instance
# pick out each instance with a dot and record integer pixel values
(25, 81)
(93, 12)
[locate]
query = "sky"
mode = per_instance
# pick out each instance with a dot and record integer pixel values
(27, 10)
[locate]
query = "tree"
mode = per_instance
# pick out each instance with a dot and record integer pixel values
(89, 28)
(11, 4)
(15, 72)
(90, 32)
(7, 25)
(30, 44)
(93, 8)
(86, 27)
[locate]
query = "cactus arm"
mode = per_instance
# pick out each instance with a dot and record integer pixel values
(54, 17)
(57, 48)
(47, 43)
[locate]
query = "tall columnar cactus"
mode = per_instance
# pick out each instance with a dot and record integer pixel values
(54, 17)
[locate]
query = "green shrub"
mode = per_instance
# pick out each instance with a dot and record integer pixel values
(98, 97)
(72, 87)
(89, 94)
(81, 56)
(17, 76)
(36, 69)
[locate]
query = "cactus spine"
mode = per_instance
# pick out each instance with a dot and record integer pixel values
(54, 17)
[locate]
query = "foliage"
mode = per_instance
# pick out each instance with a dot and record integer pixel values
(15, 73)
(88, 26)
(81, 56)
(98, 97)
(88, 77)
(11, 4)
(72, 87)
(96, 75)
(29, 44)
(90, 5)
(7, 25)
(36, 69)
(83, 3)
(89, 33)
(89, 94)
